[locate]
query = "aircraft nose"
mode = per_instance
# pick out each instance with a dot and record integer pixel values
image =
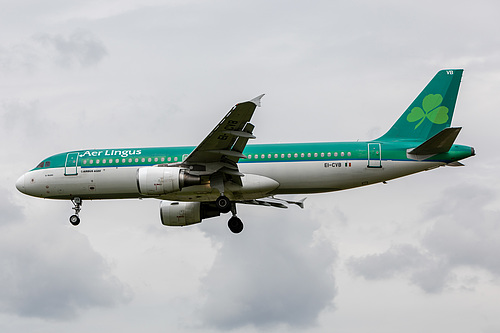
(20, 184)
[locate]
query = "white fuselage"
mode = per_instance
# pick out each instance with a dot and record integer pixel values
(260, 180)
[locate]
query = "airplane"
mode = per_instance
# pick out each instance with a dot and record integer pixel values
(196, 183)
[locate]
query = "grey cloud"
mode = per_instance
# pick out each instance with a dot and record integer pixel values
(10, 211)
(398, 258)
(80, 47)
(52, 272)
(18, 57)
(466, 233)
(274, 273)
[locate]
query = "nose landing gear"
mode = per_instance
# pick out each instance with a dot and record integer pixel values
(75, 219)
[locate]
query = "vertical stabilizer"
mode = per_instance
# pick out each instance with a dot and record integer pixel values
(431, 111)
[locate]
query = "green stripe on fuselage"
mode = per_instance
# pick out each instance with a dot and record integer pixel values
(266, 153)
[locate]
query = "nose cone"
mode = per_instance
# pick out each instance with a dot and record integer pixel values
(20, 184)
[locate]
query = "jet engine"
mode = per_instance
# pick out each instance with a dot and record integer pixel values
(160, 180)
(186, 213)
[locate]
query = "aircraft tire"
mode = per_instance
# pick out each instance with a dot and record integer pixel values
(235, 225)
(74, 220)
(223, 204)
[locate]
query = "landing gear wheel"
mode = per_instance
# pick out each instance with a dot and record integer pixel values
(74, 220)
(235, 225)
(223, 204)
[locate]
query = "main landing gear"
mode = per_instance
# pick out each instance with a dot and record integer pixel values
(225, 206)
(75, 219)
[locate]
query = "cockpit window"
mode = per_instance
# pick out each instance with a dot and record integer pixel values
(40, 165)
(47, 164)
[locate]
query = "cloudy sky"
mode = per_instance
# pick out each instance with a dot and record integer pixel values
(418, 254)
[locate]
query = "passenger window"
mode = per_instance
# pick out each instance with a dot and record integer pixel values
(168, 159)
(149, 159)
(329, 154)
(175, 159)
(84, 161)
(156, 159)
(315, 154)
(97, 161)
(336, 154)
(349, 154)
(282, 155)
(163, 159)
(308, 154)
(322, 154)
(275, 155)
(130, 160)
(262, 156)
(249, 157)
(104, 161)
(289, 155)
(136, 160)
(295, 155)
(302, 155)
(268, 155)
(342, 154)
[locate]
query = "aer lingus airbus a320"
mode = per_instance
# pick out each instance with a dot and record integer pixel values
(222, 171)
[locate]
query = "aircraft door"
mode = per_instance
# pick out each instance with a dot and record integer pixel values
(374, 155)
(71, 168)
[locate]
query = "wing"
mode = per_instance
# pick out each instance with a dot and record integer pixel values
(219, 153)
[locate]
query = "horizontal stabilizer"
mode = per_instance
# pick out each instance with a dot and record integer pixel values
(439, 143)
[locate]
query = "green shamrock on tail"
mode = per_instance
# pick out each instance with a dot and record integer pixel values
(431, 110)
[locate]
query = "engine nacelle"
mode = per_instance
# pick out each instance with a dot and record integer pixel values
(186, 213)
(161, 180)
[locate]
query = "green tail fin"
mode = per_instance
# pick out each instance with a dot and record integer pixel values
(431, 111)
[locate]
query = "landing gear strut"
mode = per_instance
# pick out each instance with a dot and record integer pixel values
(75, 219)
(234, 223)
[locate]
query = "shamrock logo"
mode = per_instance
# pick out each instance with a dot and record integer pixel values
(431, 110)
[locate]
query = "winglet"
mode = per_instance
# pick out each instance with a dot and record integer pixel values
(257, 99)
